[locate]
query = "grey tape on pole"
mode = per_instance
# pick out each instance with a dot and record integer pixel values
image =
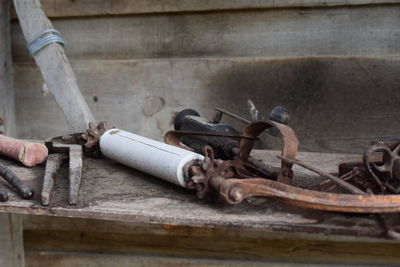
(43, 39)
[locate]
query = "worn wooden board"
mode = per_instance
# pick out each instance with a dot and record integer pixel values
(215, 247)
(113, 192)
(334, 102)
(11, 238)
(39, 259)
(68, 8)
(336, 69)
(363, 31)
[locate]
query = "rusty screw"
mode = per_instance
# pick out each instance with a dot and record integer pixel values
(236, 195)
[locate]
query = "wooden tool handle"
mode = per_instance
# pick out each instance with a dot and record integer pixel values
(28, 153)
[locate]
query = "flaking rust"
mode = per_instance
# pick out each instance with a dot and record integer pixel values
(236, 179)
(239, 178)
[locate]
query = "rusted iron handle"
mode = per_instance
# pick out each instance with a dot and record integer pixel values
(236, 190)
(289, 150)
(28, 153)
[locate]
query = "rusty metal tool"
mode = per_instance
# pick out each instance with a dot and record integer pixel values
(390, 221)
(196, 132)
(249, 135)
(278, 114)
(222, 177)
(58, 153)
(234, 181)
(386, 172)
(341, 182)
(226, 178)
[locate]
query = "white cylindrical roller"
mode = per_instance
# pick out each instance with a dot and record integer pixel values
(147, 155)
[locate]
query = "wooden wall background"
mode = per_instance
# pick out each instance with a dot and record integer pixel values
(334, 63)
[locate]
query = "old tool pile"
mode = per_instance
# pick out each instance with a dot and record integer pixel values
(214, 159)
(240, 177)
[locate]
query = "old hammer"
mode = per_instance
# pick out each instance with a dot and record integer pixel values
(59, 152)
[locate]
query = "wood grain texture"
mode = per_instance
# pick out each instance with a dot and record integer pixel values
(113, 192)
(67, 8)
(11, 238)
(278, 250)
(67, 259)
(336, 69)
(338, 104)
(362, 31)
(54, 66)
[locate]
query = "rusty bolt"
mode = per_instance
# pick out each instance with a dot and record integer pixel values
(236, 195)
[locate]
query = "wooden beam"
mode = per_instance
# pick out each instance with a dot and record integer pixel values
(11, 241)
(214, 247)
(54, 66)
(68, 8)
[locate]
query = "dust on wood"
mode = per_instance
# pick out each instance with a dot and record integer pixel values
(113, 192)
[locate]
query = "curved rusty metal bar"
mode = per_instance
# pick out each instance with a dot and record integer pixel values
(236, 190)
(289, 150)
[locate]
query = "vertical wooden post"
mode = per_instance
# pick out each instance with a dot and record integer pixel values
(11, 240)
(54, 66)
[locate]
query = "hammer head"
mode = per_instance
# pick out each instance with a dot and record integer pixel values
(60, 148)
(74, 153)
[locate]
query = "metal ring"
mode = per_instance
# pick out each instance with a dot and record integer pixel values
(43, 39)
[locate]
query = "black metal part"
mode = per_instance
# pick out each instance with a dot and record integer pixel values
(386, 172)
(22, 189)
(180, 117)
(278, 114)
(222, 146)
(189, 120)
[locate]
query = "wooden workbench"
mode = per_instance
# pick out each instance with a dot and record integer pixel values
(112, 192)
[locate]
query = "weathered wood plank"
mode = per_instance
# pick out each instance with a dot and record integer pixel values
(113, 192)
(54, 66)
(67, 259)
(68, 8)
(280, 250)
(365, 31)
(11, 238)
(338, 104)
